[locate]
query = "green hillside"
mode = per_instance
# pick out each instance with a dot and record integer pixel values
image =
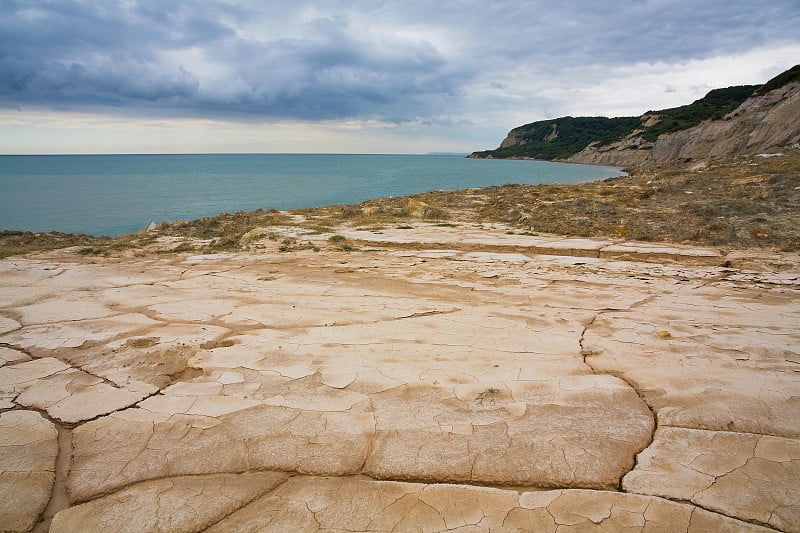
(716, 104)
(563, 137)
(793, 74)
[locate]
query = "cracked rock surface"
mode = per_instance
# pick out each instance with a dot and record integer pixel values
(28, 451)
(347, 504)
(191, 503)
(466, 380)
(752, 476)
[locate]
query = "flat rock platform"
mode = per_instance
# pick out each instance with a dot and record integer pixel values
(426, 378)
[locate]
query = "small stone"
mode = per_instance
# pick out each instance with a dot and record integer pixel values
(415, 208)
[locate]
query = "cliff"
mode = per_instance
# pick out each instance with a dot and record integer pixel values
(726, 122)
(761, 123)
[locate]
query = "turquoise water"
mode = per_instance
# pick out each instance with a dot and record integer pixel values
(116, 194)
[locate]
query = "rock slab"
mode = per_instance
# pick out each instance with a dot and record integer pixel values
(28, 452)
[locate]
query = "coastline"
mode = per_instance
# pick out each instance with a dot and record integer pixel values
(743, 203)
(561, 161)
(407, 353)
(115, 195)
(423, 361)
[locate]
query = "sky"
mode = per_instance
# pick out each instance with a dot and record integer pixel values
(361, 76)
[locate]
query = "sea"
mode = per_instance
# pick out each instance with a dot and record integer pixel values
(118, 194)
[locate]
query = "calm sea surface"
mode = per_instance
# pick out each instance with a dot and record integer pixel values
(116, 194)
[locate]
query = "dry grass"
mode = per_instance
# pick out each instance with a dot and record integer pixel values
(22, 242)
(748, 202)
(224, 231)
(751, 201)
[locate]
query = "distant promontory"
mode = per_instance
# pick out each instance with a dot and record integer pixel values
(726, 122)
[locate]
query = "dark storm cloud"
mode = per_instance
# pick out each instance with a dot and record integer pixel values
(392, 61)
(331, 72)
(70, 53)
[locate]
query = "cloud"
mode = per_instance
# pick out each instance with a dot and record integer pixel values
(192, 60)
(412, 62)
(76, 54)
(333, 72)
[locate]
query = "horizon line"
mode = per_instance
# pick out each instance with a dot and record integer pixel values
(79, 154)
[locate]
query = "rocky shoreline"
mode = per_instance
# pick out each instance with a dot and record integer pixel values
(431, 377)
(436, 362)
(747, 202)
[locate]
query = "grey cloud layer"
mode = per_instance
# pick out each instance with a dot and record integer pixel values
(392, 61)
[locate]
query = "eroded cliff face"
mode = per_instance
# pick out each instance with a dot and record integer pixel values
(512, 139)
(760, 124)
(626, 153)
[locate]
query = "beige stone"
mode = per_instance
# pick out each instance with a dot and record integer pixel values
(11, 356)
(72, 396)
(28, 450)
(170, 504)
(722, 366)
(22, 375)
(8, 324)
(136, 445)
(357, 504)
(499, 236)
(474, 361)
(660, 253)
(193, 310)
(63, 306)
(425, 434)
(65, 335)
(146, 359)
(748, 476)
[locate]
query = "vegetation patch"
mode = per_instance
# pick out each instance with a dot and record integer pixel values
(784, 78)
(748, 201)
(561, 138)
(715, 105)
(21, 242)
(92, 251)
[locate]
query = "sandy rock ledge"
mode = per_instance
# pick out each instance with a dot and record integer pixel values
(28, 451)
(470, 380)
